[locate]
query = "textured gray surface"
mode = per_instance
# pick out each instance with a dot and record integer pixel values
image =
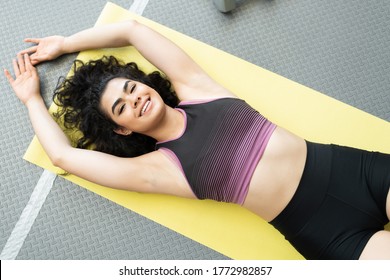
(340, 48)
(75, 224)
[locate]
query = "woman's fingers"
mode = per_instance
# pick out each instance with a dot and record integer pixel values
(8, 76)
(35, 58)
(16, 67)
(25, 84)
(28, 64)
(22, 67)
(22, 64)
(32, 50)
(32, 40)
(29, 50)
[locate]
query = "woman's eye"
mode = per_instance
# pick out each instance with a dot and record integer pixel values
(121, 108)
(132, 88)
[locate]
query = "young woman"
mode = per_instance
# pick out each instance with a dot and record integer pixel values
(330, 202)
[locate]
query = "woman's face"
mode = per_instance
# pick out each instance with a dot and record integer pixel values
(133, 106)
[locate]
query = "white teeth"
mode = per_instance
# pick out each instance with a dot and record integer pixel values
(145, 107)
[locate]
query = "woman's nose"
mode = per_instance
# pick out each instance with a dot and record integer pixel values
(135, 101)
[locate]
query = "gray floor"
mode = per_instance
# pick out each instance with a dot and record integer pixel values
(340, 48)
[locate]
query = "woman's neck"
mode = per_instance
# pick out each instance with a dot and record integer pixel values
(171, 126)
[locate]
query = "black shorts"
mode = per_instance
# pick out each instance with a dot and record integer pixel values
(339, 204)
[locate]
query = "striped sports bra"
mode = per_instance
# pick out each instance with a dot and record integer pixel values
(220, 147)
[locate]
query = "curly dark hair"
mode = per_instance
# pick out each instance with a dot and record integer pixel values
(78, 98)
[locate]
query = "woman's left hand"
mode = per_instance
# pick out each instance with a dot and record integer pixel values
(26, 81)
(47, 48)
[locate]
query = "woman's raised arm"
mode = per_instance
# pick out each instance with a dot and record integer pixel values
(26, 88)
(107, 36)
(182, 71)
(160, 51)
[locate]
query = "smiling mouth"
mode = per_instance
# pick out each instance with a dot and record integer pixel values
(145, 107)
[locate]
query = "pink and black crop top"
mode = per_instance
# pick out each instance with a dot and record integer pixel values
(220, 147)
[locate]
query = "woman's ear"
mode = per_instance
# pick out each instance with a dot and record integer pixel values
(123, 131)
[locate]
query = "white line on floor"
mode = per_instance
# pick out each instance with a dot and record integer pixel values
(28, 216)
(138, 6)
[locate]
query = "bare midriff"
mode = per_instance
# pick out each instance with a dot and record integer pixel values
(277, 175)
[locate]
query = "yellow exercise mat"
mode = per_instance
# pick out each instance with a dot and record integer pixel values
(228, 228)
